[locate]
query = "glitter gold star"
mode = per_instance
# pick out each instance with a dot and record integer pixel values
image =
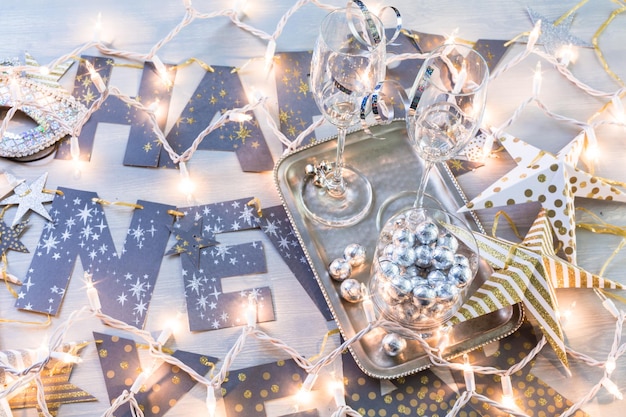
(529, 272)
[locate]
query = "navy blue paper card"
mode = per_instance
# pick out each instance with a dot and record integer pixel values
(121, 365)
(531, 394)
(492, 50)
(222, 217)
(246, 391)
(276, 226)
(218, 91)
(209, 306)
(423, 393)
(143, 147)
(79, 229)
(296, 106)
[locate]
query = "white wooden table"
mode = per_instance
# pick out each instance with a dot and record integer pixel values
(48, 30)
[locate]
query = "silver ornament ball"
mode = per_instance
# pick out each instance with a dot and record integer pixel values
(448, 240)
(461, 275)
(388, 270)
(340, 269)
(403, 237)
(423, 256)
(427, 232)
(355, 254)
(423, 296)
(443, 258)
(460, 259)
(351, 290)
(393, 344)
(403, 256)
(435, 277)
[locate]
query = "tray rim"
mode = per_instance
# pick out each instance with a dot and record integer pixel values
(518, 312)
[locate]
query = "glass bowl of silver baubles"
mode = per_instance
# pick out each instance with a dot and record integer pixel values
(423, 265)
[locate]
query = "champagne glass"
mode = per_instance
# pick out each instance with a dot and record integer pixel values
(447, 104)
(348, 60)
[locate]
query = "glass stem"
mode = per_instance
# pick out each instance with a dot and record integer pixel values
(419, 199)
(336, 185)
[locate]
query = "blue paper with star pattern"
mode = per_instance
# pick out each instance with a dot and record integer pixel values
(143, 147)
(218, 91)
(276, 226)
(205, 262)
(79, 229)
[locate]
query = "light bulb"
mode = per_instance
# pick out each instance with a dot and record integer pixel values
(162, 71)
(367, 304)
(239, 7)
(186, 186)
(239, 117)
(566, 55)
(533, 37)
(95, 77)
(537, 78)
(609, 365)
(612, 388)
(269, 54)
(97, 28)
(468, 375)
(251, 311)
(336, 388)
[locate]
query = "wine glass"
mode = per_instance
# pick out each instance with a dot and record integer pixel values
(447, 104)
(348, 60)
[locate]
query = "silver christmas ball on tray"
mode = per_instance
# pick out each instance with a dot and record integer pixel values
(340, 269)
(351, 291)
(355, 254)
(448, 240)
(393, 344)
(461, 275)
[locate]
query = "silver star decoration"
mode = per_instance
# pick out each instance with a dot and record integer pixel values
(553, 36)
(30, 197)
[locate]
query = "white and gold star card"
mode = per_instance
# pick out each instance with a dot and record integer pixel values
(552, 180)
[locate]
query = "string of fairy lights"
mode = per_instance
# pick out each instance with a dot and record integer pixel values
(56, 347)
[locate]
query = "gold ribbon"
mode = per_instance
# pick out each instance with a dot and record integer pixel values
(5, 276)
(324, 342)
(604, 228)
(257, 205)
(596, 48)
(116, 203)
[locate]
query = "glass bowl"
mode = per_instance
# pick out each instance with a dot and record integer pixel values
(424, 263)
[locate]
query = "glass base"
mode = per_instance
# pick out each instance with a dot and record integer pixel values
(338, 211)
(401, 201)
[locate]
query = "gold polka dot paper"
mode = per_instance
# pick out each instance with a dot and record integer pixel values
(121, 365)
(420, 394)
(551, 180)
(246, 391)
(531, 395)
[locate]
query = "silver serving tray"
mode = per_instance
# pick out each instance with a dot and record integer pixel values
(392, 166)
